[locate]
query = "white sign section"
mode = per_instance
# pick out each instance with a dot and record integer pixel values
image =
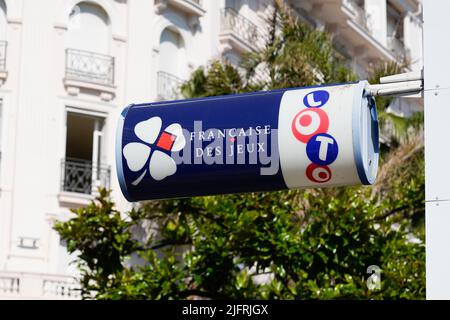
(328, 136)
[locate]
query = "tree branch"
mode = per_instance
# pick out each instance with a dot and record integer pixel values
(166, 243)
(392, 212)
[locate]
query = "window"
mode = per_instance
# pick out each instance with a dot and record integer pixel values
(171, 52)
(88, 46)
(172, 65)
(83, 168)
(89, 29)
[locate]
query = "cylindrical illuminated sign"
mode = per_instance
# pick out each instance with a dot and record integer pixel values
(263, 141)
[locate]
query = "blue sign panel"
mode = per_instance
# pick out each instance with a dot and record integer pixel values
(260, 141)
(201, 147)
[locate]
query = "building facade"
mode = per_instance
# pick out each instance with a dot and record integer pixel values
(68, 67)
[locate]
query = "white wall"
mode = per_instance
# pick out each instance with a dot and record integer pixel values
(3, 22)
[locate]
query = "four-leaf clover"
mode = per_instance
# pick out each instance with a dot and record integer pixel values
(154, 145)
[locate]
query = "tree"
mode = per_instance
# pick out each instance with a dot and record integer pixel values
(315, 243)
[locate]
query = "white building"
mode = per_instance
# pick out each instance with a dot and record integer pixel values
(68, 67)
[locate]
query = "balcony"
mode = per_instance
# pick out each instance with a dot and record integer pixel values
(15, 285)
(361, 33)
(353, 26)
(89, 70)
(169, 86)
(80, 180)
(192, 8)
(3, 72)
(237, 32)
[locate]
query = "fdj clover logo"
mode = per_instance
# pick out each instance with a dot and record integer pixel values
(310, 126)
(152, 152)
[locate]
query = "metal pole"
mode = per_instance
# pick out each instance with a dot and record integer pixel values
(437, 147)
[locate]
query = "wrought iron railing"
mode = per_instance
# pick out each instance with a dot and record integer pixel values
(243, 28)
(89, 67)
(169, 86)
(81, 176)
(3, 47)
